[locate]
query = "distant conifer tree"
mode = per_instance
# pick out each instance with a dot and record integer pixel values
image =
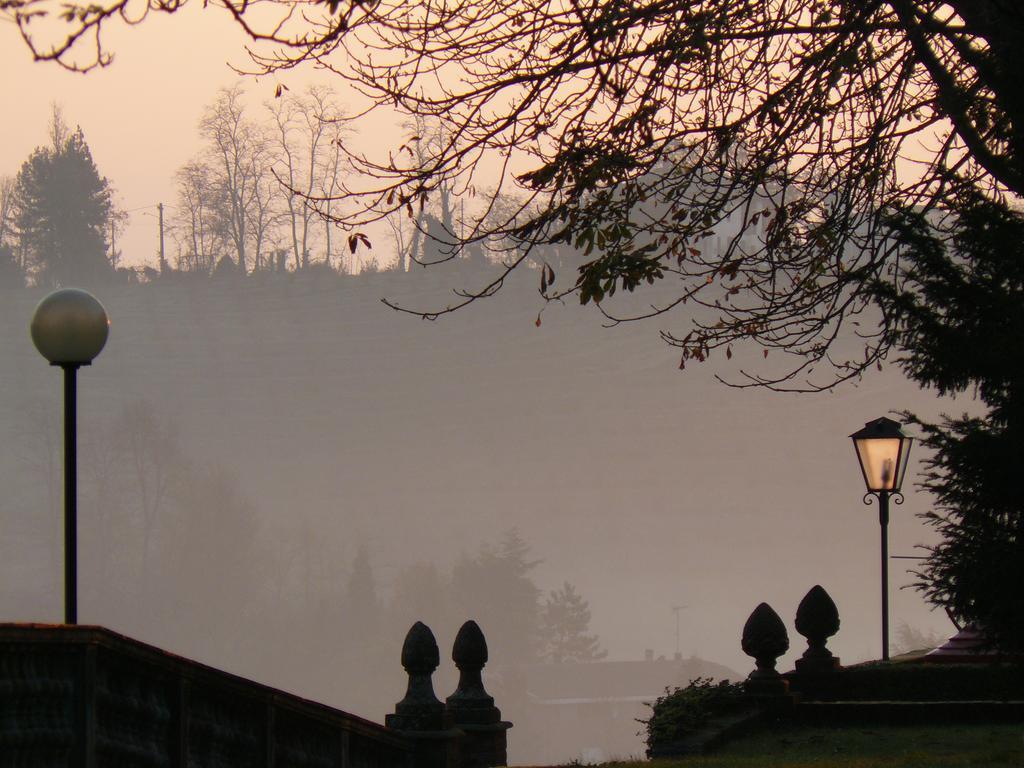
(565, 627)
(362, 607)
(496, 589)
(63, 207)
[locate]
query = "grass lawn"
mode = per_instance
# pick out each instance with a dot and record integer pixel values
(948, 746)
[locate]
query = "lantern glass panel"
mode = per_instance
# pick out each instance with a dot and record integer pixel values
(880, 461)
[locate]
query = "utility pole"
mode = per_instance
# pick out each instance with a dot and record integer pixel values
(163, 262)
(676, 609)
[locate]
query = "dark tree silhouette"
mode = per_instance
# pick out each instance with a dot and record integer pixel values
(744, 154)
(565, 628)
(496, 589)
(62, 209)
(362, 606)
(959, 317)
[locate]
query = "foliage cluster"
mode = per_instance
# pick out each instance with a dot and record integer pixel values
(682, 711)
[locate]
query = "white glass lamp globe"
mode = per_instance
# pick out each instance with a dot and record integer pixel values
(70, 327)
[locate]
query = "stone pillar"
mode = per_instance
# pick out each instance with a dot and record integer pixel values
(765, 638)
(472, 709)
(420, 716)
(817, 619)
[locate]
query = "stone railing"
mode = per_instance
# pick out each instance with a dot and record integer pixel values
(86, 697)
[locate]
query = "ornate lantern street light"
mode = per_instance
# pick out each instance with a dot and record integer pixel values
(882, 450)
(69, 328)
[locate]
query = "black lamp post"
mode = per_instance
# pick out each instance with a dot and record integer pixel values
(882, 450)
(69, 328)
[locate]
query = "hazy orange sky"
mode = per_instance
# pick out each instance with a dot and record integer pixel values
(140, 114)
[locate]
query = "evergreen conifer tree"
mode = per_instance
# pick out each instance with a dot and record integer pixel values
(960, 320)
(565, 625)
(362, 607)
(497, 590)
(63, 207)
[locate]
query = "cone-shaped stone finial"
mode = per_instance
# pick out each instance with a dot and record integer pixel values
(470, 700)
(420, 710)
(420, 654)
(765, 638)
(817, 619)
(470, 646)
(471, 708)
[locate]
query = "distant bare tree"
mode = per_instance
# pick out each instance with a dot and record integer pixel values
(307, 138)
(403, 230)
(58, 130)
(104, 492)
(238, 150)
(38, 448)
(11, 256)
(117, 222)
(131, 465)
(295, 171)
(264, 215)
(194, 225)
(210, 539)
(330, 182)
(151, 455)
(434, 236)
(6, 209)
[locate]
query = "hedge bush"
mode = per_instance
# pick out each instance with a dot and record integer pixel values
(923, 682)
(682, 711)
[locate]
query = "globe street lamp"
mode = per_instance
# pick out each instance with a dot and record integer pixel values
(69, 328)
(882, 450)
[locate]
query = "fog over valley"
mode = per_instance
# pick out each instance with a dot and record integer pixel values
(279, 474)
